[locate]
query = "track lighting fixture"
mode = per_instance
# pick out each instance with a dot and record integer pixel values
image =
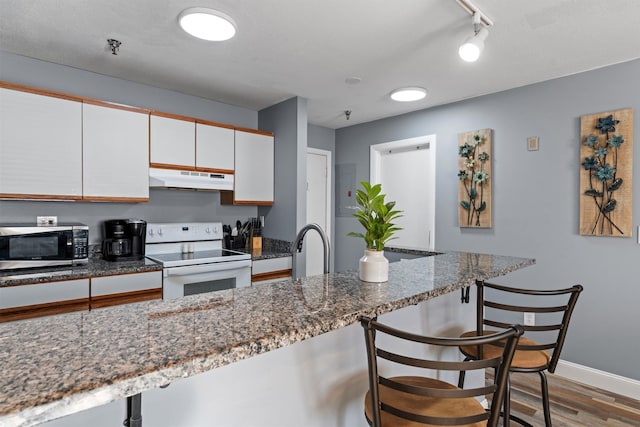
(472, 47)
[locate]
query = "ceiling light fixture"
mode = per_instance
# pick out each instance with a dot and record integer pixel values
(207, 24)
(408, 94)
(473, 46)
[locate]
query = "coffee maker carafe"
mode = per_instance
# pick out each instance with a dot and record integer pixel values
(124, 239)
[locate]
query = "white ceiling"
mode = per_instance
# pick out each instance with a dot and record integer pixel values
(307, 48)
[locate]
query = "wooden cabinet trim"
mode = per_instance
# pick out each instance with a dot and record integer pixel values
(259, 132)
(211, 170)
(172, 116)
(125, 298)
(116, 106)
(216, 124)
(172, 167)
(47, 309)
(253, 202)
(29, 89)
(270, 275)
(227, 198)
(38, 196)
(115, 199)
(61, 95)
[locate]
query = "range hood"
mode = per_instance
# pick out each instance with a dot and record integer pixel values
(169, 178)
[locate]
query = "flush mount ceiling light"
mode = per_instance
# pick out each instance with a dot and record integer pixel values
(473, 46)
(207, 24)
(408, 94)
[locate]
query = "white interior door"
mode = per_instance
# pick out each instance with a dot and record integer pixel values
(318, 207)
(406, 170)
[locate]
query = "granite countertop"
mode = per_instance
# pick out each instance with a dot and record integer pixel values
(271, 248)
(266, 254)
(59, 365)
(96, 267)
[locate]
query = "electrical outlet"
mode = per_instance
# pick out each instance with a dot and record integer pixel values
(47, 220)
(529, 319)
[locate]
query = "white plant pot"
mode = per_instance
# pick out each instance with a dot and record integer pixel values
(374, 267)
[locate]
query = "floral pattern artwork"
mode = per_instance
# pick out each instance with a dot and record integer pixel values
(606, 157)
(474, 179)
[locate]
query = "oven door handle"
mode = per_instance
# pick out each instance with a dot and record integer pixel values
(208, 268)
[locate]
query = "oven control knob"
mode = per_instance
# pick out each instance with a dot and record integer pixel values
(151, 232)
(207, 230)
(159, 231)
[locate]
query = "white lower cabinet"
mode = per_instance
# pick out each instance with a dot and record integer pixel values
(125, 288)
(270, 270)
(43, 299)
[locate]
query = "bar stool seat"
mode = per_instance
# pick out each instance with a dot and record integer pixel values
(422, 405)
(530, 359)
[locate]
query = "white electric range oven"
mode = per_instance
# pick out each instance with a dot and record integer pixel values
(193, 259)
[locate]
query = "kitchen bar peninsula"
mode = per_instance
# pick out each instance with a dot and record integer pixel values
(59, 365)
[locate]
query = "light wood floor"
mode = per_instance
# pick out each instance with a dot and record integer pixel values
(572, 403)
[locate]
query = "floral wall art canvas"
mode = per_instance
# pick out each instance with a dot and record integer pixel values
(474, 178)
(606, 164)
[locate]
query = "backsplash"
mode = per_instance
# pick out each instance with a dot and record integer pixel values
(163, 206)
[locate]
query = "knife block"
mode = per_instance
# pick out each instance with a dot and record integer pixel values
(255, 245)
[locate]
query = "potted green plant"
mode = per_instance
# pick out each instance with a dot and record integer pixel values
(376, 216)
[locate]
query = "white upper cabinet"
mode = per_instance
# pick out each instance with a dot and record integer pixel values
(173, 141)
(115, 152)
(254, 168)
(214, 148)
(40, 146)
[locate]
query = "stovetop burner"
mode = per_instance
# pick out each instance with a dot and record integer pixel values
(198, 257)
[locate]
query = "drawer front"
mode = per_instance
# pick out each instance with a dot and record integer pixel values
(124, 283)
(271, 264)
(43, 293)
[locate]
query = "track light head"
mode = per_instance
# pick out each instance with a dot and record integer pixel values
(473, 46)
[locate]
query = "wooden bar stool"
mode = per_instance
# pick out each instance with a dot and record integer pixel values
(539, 348)
(419, 400)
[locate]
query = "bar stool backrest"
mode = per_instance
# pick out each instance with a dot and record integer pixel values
(499, 306)
(415, 360)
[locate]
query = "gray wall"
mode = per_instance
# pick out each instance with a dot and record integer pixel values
(288, 121)
(164, 205)
(46, 75)
(536, 200)
(325, 139)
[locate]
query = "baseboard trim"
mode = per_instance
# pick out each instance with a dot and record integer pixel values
(601, 379)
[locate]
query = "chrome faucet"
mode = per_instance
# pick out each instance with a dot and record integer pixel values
(297, 246)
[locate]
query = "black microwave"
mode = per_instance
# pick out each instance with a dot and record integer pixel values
(28, 245)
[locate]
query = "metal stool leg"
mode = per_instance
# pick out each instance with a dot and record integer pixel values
(134, 411)
(545, 399)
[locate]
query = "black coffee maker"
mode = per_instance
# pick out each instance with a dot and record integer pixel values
(124, 239)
